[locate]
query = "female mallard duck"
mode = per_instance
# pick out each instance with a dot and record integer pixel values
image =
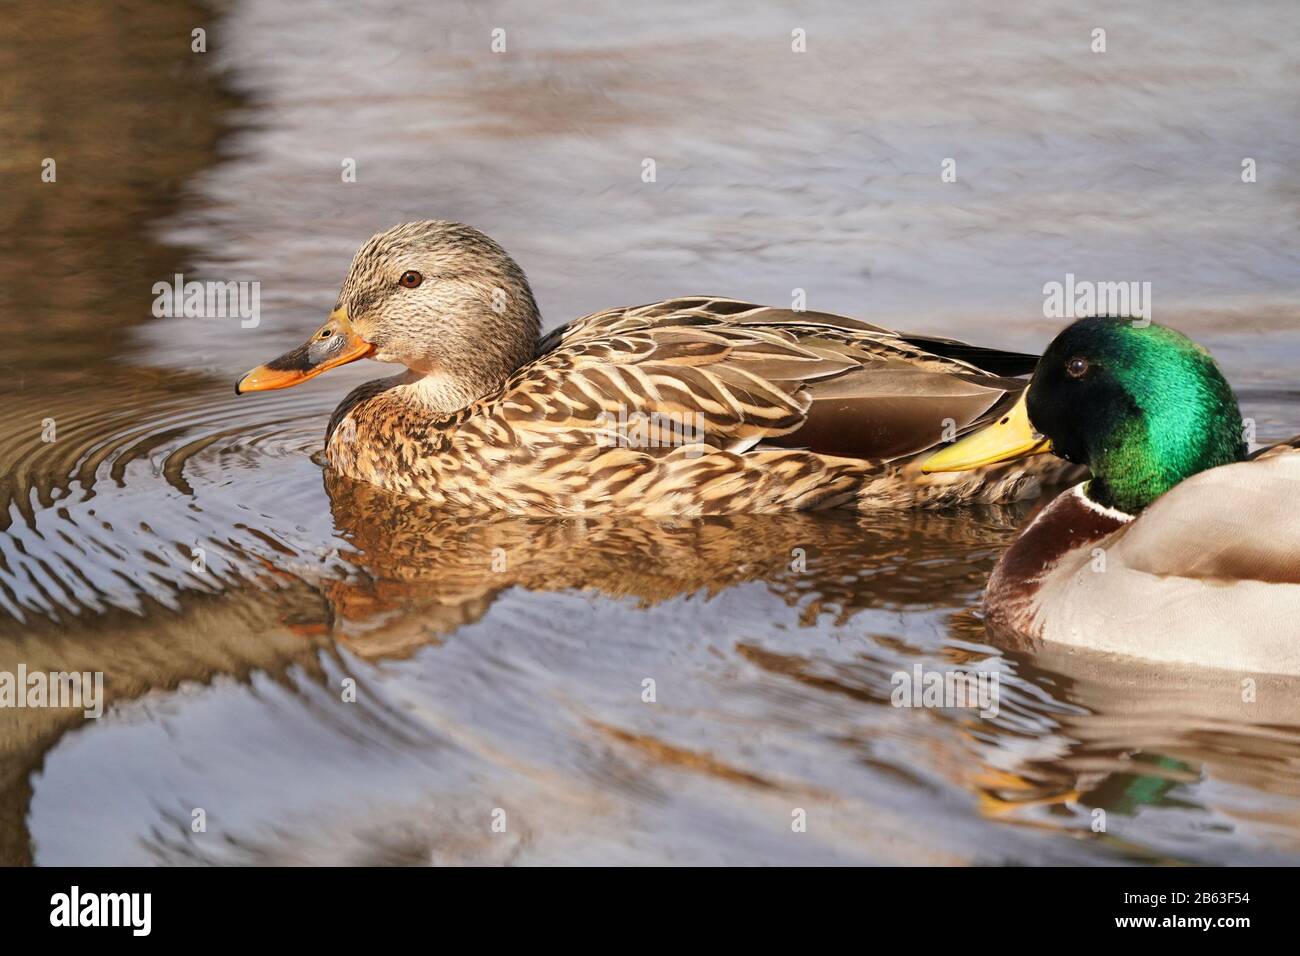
(690, 406)
(1181, 547)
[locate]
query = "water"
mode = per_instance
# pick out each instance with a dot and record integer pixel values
(518, 688)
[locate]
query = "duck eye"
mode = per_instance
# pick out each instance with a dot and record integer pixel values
(410, 279)
(1077, 367)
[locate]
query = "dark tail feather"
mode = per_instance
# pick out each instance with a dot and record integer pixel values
(995, 361)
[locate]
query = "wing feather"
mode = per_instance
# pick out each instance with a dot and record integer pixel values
(755, 375)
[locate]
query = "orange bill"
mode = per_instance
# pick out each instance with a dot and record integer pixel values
(334, 343)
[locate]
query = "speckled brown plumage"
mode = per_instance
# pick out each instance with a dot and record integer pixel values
(542, 444)
(690, 406)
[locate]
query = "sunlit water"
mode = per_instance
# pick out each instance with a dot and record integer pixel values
(500, 666)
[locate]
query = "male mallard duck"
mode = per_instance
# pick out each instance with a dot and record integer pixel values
(1181, 547)
(689, 406)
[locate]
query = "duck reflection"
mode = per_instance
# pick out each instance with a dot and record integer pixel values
(1126, 739)
(423, 573)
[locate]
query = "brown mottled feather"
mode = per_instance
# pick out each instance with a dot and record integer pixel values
(798, 411)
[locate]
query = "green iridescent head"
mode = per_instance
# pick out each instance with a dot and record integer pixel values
(1143, 406)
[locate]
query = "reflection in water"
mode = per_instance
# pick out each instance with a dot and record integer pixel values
(447, 570)
(1144, 734)
(502, 663)
(76, 261)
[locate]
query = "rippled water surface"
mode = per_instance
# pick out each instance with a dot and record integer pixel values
(518, 687)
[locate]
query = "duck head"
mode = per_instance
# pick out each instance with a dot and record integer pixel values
(438, 297)
(1141, 405)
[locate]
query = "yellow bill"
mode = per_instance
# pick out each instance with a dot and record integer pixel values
(1012, 436)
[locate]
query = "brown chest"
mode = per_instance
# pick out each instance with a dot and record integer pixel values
(1069, 525)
